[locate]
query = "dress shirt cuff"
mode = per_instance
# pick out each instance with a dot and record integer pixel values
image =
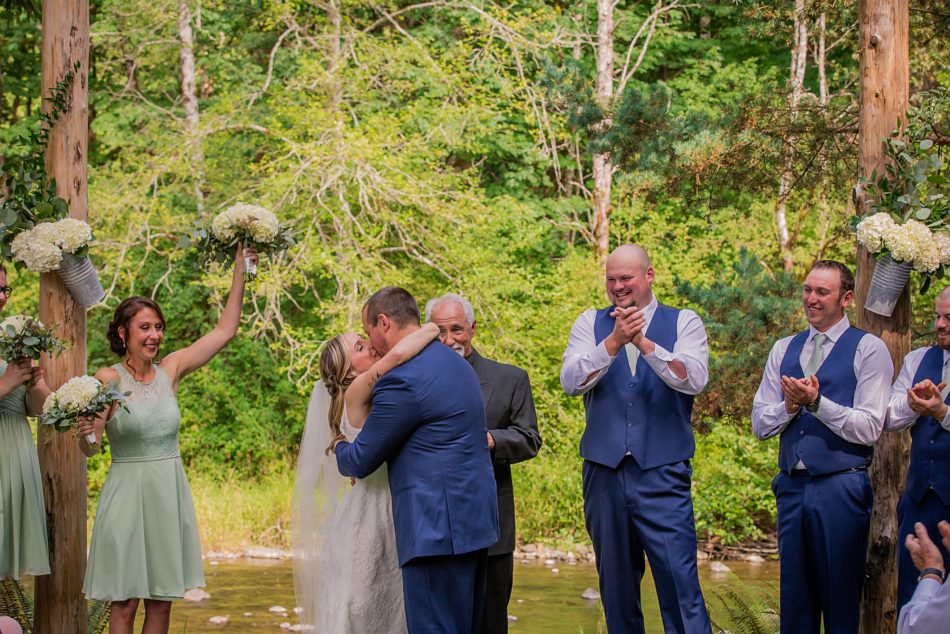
(900, 416)
(826, 414)
(945, 423)
(926, 588)
(659, 359)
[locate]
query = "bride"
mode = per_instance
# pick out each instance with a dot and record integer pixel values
(346, 572)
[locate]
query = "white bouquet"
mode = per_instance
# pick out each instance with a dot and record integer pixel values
(911, 241)
(79, 396)
(251, 225)
(41, 248)
(21, 336)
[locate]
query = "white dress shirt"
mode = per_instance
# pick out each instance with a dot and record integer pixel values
(928, 611)
(899, 414)
(584, 356)
(861, 423)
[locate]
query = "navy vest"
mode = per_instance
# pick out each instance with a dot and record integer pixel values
(930, 445)
(638, 414)
(808, 439)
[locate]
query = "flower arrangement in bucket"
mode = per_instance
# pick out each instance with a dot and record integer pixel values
(251, 225)
(22, 337)
(61, 246)
(80, 396)
(909, 230)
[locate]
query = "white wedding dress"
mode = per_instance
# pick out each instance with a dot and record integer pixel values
(346, 568)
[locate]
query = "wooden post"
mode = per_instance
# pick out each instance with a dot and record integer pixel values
(885, 81)
(60, 606)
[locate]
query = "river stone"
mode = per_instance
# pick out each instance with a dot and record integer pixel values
(549, 562)
(285, 625)
(218, 620)
(529, 548)
(512, 618)
(298, 610)
(590, 594)
(277, 609)
(702, 555)
(755, 559)
(259, 552)
(248, 614)
(555, 570)
(196, 594)
(718, 566)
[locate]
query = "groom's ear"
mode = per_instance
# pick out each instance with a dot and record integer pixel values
(383, 322)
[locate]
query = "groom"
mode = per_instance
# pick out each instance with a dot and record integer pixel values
(428, 423)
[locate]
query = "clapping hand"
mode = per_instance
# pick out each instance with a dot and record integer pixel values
(799, 392)
(926, 399)
(922, 549)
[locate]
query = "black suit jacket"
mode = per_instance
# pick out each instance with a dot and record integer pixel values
(511, 419)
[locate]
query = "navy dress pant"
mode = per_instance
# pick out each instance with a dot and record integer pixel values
(823, 525)
(445, 594)
(930, 510)
(630, 511)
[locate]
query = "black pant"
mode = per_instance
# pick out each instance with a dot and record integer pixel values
(498, 593)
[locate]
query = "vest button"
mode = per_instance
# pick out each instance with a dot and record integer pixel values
(631, 425)
(801, 433)
(630, 384)
(931, 442)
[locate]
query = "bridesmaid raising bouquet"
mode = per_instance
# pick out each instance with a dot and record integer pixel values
(145, 544)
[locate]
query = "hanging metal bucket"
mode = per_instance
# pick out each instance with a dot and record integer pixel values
(888, 281)
(79, 276)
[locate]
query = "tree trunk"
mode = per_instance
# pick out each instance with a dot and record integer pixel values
(820, 62)
(189, 97)
(602, 165)
(885, 78)
(60, 606)
(796, 80)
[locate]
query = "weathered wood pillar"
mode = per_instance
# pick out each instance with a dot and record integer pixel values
(885, 81)
(60, 606)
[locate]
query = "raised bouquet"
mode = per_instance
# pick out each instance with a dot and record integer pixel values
(79, 396)
(41, 248)
(251, 225)
(21, 337)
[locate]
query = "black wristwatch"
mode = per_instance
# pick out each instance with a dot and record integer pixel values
(936, 572)
(813, 406)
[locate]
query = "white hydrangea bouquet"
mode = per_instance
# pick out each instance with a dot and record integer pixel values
(251, 225)
(80, 396)
(21, 337)
(910, 241)
(41, 248)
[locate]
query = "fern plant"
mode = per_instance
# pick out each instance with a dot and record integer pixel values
(16, 603)
(748, 611)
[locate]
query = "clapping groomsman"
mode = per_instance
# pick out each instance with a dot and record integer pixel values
(919, 402)
(512, 437)
(639, 364)
(825, 390)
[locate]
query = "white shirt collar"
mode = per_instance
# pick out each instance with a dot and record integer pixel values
(832, 333)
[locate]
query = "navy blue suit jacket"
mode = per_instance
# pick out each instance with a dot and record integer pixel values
(428, 424)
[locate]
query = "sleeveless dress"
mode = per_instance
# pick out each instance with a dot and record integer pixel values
(23, 548)
(366, 594)
(145, 538)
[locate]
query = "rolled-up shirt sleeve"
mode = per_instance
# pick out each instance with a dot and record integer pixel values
(691, 349)
(583, 357)
(769, 416)
(863, 422)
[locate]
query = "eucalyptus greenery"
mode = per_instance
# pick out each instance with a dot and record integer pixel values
(32, 340)
(63, 418)
(31, 194)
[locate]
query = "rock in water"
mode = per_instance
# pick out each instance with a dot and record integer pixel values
(718, 566)
(218, 620)
(277, 609)
(555, 570)
(590, 594)
(264, 553)
(755, 559)
(512, 618)
(196, 594)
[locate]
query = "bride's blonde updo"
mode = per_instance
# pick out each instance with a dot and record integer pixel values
(335, 372)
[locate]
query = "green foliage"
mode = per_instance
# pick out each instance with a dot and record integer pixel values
(15, 603)
(748, 611)
(744, 311)
(32, 339)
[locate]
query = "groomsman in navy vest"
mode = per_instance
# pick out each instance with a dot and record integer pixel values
(825, 390)
(919, 402)
(639, 364)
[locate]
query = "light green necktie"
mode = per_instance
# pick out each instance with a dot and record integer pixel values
(946, 379)
(816, 357)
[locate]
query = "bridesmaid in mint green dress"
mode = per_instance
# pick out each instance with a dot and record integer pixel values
(145, 543)
(23, 549)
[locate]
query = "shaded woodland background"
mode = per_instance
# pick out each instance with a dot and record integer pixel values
(492, 150)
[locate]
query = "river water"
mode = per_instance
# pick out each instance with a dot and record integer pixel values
(542, 601)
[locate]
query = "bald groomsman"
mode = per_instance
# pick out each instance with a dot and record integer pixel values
(639, 364)
(825, 391)
(512, 437)
(919, 402)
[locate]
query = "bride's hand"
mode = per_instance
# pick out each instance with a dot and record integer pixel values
(250, 253)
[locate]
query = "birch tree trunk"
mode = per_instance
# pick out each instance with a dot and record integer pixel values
(60, 606)
(602, 165)
(796, 90)
(189, 98)
(885, 80)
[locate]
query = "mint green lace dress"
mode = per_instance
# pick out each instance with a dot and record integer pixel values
(145, 538)
(23, 549)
